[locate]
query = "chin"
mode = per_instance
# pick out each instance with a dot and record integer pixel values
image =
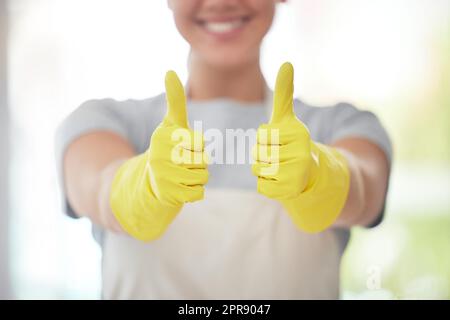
(229, 58)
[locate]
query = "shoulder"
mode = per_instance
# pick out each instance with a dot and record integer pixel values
(335, 116)
(122, 107)
(309, 111)
(328, 124)
(133, 119)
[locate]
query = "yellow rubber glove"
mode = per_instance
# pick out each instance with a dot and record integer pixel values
(150, 189)
(310, 180)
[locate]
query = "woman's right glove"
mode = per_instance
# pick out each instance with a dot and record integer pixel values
(150, 189)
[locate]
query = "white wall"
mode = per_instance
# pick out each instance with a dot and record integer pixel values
(4, 155)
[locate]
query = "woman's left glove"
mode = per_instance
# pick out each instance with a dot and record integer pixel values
(310, 180)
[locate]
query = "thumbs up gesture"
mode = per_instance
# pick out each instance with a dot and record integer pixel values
(177, 161)
(309, 179)
(150, 189)
(283, 154)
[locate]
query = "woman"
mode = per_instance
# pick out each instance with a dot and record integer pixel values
(180, 228)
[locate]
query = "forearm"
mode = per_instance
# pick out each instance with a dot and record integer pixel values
(368, 182)
(92, 201)
(104, 212)
(354, 208)
(88, 175)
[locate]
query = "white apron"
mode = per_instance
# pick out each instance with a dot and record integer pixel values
(235, 244)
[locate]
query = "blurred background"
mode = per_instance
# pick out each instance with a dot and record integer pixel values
(387, 56)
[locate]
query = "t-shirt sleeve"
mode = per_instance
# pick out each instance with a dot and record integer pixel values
(93, 115)
(348, 121)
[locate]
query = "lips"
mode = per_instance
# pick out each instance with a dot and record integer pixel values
(223, 26)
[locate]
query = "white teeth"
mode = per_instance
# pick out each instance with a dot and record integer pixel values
(223, 27)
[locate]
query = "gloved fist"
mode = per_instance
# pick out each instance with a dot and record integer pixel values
(283, 162)
(176, 159)
(309, 179)
(149, 190)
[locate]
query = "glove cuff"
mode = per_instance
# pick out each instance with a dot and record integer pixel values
(320, 204)
(134, 204)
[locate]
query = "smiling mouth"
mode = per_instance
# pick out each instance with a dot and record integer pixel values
(223, 27)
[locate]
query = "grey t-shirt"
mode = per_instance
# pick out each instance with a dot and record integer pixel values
(234, 187)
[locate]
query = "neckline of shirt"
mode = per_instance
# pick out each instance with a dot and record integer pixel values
(266, 103)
